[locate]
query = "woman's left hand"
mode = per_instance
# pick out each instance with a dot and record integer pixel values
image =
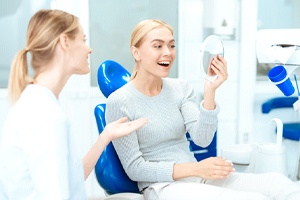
(218, 66)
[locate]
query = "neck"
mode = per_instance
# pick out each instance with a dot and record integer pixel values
(149, 87)
(52, 80)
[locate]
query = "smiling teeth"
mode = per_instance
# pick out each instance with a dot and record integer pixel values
(164, 63)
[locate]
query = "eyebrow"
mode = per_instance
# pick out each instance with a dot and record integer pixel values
(159, 40)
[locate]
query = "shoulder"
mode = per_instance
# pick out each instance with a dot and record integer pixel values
(120, 95)
(120, 101)
(38, 103)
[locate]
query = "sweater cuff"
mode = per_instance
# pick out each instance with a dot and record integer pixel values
(209, 116)
(215, 111)
(165, 171)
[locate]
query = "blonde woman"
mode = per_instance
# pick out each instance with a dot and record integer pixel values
(157, 155)
(38, 157)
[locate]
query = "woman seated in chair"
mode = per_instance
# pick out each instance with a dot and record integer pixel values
(157, 155)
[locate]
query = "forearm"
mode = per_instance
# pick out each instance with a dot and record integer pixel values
(91, 158)
(209, 168)
(183, 170)
(209, 100)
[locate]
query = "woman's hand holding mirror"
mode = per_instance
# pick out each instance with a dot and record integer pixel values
(211, 47)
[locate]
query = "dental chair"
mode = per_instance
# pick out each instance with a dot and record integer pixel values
(109, 171)
(291, 130)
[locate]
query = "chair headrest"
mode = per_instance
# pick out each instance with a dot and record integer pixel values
(111, 76)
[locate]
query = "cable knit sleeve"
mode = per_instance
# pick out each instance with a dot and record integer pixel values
(200, 123)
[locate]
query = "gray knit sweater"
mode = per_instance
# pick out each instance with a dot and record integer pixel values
(148, 154)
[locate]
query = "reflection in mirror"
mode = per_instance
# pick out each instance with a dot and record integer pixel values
(212, 46)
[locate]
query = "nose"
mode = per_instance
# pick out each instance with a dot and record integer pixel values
(90, 50)
(167, 51)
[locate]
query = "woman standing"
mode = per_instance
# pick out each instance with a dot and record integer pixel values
(38, 157)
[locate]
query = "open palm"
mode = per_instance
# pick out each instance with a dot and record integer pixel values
(122, 128)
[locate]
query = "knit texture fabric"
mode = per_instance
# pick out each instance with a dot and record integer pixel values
(148, 154)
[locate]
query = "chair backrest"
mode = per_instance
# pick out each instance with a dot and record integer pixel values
(111, 76)
(109, 171)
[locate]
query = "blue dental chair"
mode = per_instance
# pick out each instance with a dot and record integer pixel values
(109, 171)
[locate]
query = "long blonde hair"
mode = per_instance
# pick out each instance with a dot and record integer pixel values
(139, 32)
(43, 33)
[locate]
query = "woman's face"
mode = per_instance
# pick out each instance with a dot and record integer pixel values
(79, 54)
(157, 52)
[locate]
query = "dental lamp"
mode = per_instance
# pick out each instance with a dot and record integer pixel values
(282, 48)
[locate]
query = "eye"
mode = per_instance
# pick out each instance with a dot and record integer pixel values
(173, 46)
(157, 46)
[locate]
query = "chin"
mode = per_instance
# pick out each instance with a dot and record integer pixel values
(165, 75)
(83, 72)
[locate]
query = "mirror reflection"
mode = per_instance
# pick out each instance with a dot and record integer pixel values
(211, 47)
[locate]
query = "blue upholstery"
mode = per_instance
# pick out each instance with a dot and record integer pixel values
(201, 153)
(111, 76)
(109, 171)
(290, 131)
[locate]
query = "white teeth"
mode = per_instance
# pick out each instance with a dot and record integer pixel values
(164, 63)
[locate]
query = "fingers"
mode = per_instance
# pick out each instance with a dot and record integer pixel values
(219, 66)
(136, 124)
(122, 120)
(218, 168)
(223, 161)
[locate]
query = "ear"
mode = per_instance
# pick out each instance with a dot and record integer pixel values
(64, 41)
(135, 53)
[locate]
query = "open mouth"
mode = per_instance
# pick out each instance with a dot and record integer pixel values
(164, 63)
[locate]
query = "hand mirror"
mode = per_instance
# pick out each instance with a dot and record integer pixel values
(210, 48)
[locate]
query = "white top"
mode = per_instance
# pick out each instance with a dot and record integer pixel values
(38, 158)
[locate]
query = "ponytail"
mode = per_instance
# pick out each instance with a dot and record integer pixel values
(19, 77)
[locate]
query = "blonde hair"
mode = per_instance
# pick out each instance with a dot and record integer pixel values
(43, 33)
(139, 32)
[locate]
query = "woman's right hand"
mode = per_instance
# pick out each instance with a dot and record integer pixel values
(209, 168)
(214, 168)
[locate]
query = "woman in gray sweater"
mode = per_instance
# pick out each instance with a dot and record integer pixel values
(157, 155)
